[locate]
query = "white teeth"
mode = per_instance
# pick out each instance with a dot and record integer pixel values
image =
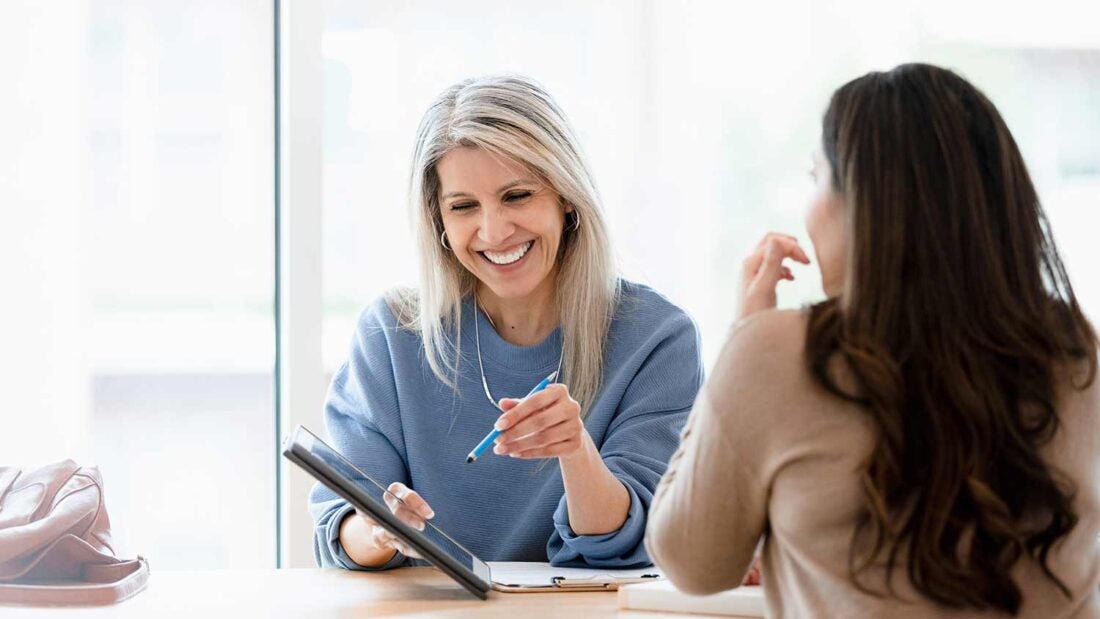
(510, 257)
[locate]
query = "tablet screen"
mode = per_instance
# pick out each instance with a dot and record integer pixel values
(347, 474)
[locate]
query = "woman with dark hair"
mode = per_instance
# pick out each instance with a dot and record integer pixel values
(926, 441)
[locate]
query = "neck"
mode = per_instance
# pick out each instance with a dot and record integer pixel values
(832, 288)
(525, 321)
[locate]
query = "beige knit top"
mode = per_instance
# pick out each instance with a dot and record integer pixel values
(768, 452)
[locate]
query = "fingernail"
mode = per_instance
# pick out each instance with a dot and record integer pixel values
(431, 513)
(500, 425)
(498, 449)
(420, 526)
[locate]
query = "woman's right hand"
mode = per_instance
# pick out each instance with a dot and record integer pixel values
(763, 268)
(380, 545)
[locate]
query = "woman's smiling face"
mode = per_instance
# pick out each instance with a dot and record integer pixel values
(503, 224)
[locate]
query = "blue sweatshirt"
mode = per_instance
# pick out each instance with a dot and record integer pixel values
(395, 420)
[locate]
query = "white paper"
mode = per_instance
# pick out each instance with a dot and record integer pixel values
(541, 574)
(663, 596)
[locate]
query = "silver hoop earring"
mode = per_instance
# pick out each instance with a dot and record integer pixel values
(576, 221)
(443, 241)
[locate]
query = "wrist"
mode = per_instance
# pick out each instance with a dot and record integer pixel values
(584, 456)
(597, 501)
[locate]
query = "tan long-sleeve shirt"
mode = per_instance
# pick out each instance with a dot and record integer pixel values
(767, 452)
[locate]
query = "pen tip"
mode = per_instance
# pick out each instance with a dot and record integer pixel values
(470, 459)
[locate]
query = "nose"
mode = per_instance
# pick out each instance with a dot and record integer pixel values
(495, 226)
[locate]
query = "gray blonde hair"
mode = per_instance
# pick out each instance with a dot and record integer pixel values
(513, 117)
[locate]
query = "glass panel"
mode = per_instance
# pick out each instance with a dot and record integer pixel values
(137, 254)
(699, 119)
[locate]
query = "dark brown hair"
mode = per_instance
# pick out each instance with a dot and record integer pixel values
(955, 322)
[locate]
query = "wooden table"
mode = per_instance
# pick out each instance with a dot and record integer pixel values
(407, 592)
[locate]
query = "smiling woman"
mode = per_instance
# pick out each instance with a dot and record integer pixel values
(480, 138)
(506, 229)
(513, 246)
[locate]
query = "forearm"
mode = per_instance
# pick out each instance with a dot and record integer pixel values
(597, 501)
(709, 509)
(357, 540)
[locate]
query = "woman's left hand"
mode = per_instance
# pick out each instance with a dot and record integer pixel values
(762, 270)
(545, 425)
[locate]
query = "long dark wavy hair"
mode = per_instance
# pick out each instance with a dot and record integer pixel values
(955, 321)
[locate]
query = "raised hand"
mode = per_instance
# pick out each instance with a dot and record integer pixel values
(762, 270)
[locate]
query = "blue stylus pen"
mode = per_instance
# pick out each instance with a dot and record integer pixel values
(492, 436)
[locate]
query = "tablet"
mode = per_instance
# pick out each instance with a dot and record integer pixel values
(368, 496)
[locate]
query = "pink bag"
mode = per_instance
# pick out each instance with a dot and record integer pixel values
(55, 539)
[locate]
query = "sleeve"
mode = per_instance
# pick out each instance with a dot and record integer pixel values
(637, 447)
(711, 506)
(363, 423)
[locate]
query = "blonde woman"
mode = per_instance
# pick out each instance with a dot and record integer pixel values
(516, 283)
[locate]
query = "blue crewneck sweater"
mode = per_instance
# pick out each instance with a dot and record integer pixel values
(394, 419)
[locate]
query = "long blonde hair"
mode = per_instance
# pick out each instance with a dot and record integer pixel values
(513, 117)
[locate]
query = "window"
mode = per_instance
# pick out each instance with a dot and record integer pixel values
(137, 253)
(136, 184)
(699, 119)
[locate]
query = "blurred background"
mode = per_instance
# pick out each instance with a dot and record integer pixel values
(137, 176)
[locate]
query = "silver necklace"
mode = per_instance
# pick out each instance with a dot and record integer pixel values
(481, 366)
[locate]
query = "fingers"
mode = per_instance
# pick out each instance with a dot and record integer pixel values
(788, 241)
(406, 515)
(530, 405)
(546, 424)
(770, 271)
(764, 268)
(532, 417)
(751, 265)
(507, 404)
(408, 505)
(548, 417)
(412, 500)
(771, 235)
(785, 242)
(568, 429)
(779, 248)
(383, 539)
(555, 450)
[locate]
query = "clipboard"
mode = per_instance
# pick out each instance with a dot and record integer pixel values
(531, 577)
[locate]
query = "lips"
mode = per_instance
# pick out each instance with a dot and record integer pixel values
(504, 258)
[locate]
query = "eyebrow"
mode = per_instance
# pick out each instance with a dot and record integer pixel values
(502, 189)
